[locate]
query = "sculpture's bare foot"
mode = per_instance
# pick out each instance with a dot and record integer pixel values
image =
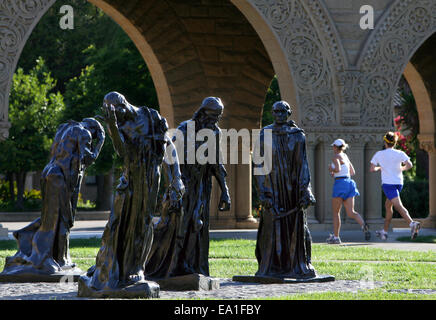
(137, 277)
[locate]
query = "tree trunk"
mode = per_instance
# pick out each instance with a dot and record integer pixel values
(104, 191)
(21, 179)
(10, 178)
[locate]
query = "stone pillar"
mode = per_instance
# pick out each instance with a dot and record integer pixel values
(324, 183)
(373, 193)
(431, 219)
(223, 219)
(243, 198)
(428, 144)
(311, 146)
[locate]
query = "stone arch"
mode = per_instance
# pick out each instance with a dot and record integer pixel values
(17, 21)
(427, 123)
(193, 49)
(401, 31)
(311, 51)
(423, 102)
(154, 66)
(275, 51)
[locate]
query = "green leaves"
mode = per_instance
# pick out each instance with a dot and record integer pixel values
(34, 111)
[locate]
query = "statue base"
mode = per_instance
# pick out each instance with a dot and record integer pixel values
(277, 280)
(189, 282)
(29, 274)
(141, 289)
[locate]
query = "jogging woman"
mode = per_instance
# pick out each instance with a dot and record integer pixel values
(392, 163)
(344, 191)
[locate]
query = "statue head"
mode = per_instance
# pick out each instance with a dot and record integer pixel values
(281, 111)
(94, 127)
(210, 112)
(122, 108)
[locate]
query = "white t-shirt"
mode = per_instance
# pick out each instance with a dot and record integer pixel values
(390, 162)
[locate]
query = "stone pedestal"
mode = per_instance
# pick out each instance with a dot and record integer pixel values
(142, 289)
(189, 282)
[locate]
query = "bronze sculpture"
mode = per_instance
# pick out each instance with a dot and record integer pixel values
(139, 137)
(283, 247)
(193, 251)
(188, 229)
(43, 253)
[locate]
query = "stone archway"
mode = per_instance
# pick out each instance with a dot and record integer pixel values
(403, 30)
(427, 132)
(341, 79)
(154, 66)
(193, 50)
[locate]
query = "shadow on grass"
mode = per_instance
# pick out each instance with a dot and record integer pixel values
(419, 239)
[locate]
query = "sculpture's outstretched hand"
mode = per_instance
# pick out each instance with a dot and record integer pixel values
(224, 204)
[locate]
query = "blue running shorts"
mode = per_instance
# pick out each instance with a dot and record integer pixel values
(345, 188)
(392, 190)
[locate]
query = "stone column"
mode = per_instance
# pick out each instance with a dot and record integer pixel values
(223, 219)
(373, 193)
(324, 183)
(311, 146)
(427, 143)
(243, 199)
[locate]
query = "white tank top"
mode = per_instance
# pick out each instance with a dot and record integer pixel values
(345, 168)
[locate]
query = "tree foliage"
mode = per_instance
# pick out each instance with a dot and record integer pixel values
(34, 111)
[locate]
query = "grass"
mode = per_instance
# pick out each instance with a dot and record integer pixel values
(395, 268)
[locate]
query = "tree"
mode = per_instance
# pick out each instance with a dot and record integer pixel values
(34, 111)
(272, 96)
(92, 59)
(63, 49)
(116, 66)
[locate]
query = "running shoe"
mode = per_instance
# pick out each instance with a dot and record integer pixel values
(383, 235)
(333, 240)
(414, 229)
(366, 231)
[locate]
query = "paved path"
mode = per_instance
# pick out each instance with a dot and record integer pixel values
(89, 229)
(228, 290)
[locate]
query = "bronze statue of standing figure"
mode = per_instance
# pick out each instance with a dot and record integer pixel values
(139, 137)
(193, 253)
(186, 233)
(43, 245)
(283, 247)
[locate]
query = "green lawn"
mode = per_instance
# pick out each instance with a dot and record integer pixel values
(395, 268)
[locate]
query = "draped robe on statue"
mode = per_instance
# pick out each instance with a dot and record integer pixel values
(44, 243)
(128, 235)
(193, 243)
(283, 247)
